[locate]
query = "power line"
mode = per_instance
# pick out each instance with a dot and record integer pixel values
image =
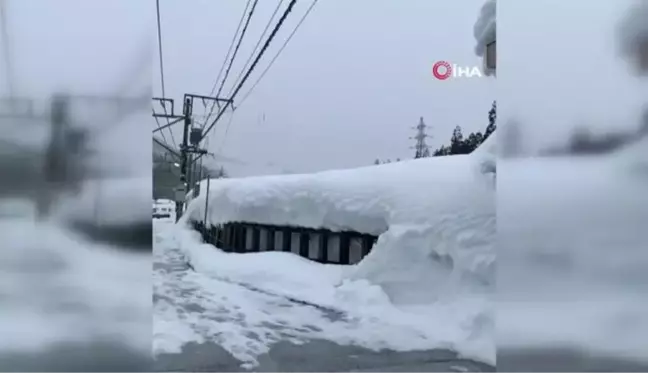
(238, 45)
(233, 57)
(268, 67)
(278, 53)
(265, 30)
(166, 147)
(159, 30)
(227, 127)
(256, 61)
(229, 52)
(157, 121)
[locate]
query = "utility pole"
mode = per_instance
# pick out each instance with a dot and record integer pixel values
(184, 157)
(191, 138)
(421, 147)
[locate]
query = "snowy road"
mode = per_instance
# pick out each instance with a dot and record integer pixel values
(209, 323)
(319, 356)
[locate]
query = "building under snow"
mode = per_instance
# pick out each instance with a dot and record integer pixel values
(490, 57)
(485, 32)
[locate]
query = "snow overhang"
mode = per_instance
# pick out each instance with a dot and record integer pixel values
(485, 32)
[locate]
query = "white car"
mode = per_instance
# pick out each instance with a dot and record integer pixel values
(163, 209)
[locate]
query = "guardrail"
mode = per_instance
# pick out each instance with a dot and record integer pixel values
(320, 245)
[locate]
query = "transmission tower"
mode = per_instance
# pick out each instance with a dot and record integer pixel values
(421, 147)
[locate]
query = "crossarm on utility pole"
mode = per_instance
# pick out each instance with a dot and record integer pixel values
(168, 124)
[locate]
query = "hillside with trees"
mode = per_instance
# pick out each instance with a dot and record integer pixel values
(466, 144)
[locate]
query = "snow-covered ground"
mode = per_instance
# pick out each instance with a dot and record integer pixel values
(59, 289)
(573, 253)
(425, 285)
(248, 303)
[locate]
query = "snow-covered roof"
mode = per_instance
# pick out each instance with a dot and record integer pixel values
(485, 30)
(367, 199)
(435, 218)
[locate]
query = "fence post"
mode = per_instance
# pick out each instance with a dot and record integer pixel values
(207, 200)
(323, 246)
(345, 247)
(304, 243)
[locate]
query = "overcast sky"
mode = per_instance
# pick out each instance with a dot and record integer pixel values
(85, 47)
(560, 66)
(346, 90)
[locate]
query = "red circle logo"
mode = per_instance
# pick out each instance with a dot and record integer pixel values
(442, 70)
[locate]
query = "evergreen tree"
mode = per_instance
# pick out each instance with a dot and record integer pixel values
(442, 151)
(456, 141)
(377, 161)
(492, 119)
(473, 141)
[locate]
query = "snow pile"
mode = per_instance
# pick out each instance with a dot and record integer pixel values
(58, 288)
(485, 29)
(427, 212)
(572, 253)
(247, 303)
(435, 218)
(110, 201)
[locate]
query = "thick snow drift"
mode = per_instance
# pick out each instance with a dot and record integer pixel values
(248, 303)
(368, 199)
(429, 213)
(435, 218)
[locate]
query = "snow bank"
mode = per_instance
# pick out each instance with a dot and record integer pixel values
(435, 218)
(430, 212)
(263, 298)
(110, 201)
